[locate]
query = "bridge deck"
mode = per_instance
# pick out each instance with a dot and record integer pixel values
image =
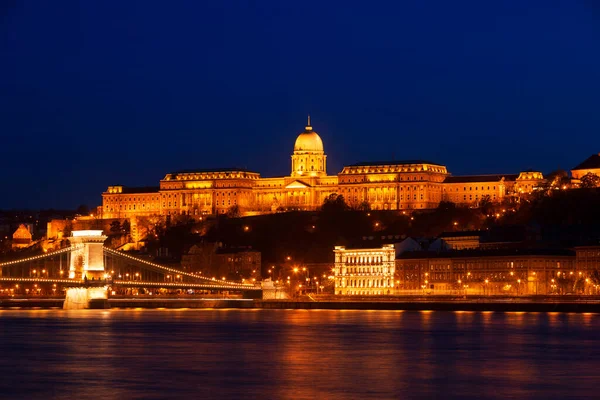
(185, 285)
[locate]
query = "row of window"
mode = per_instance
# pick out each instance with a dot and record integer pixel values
(359, 270)
(366, 283)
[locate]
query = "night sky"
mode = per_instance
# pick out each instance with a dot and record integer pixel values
(96, 93)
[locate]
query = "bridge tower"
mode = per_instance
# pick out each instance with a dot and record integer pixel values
(87, 260)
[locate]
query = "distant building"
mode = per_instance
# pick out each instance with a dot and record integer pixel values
(200, 258)
(364, 271)
(382, 185)
(22, 237)
(474, 188)
(527, 182)
(590, 165)
(587, 258)
(461, 240)
(500, 271)
(239, 263)
(392, 269)
(213, 260)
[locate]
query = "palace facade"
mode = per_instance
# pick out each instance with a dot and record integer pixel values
(383, 185)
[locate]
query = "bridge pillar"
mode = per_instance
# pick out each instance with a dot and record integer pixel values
(87, 260)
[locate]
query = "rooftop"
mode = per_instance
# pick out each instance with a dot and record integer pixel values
(460, 234)
(476, 178)
(236, 250)
(393, 162)
(591, 162)
(486, 253)
(140, 189)
(206, 170)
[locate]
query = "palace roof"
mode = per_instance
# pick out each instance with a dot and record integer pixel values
(140, 189)
(395, 162)
(592, 162)
(205, 170)
(476, 178)
(212, 173)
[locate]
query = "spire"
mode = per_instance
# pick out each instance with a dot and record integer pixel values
(308, 127)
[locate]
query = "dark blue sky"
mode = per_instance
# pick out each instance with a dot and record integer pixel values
(95, 93)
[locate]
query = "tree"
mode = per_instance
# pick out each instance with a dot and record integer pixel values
(590, 180)
(67, 229)
(595, 278)
(150, 227)
(334, 203)
(115, 227)
(234, 212)
(558, 178)
(565, 283)
(182, 219)
(486, 205)
(83, 210)
(364, 206)
(579, 285)
(446, 206)
(126, 227)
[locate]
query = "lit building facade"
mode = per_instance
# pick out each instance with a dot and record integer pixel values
(474, 188)
(503, 271)
(209, 259)
(590, 165)
(364, 271)
(385, 185)
(22, 237)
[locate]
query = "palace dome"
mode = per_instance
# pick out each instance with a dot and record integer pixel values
(308, 140)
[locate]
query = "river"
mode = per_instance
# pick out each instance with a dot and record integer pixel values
(296, 354)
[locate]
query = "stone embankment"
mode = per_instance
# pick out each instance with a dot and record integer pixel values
(416, 303)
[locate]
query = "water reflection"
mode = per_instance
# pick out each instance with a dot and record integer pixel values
(296, 354)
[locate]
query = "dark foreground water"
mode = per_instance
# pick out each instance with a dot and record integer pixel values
(284, 354)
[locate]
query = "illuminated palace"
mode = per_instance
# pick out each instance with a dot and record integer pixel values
(387, 185)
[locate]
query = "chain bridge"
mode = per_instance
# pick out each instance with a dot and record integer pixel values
(88, 263)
